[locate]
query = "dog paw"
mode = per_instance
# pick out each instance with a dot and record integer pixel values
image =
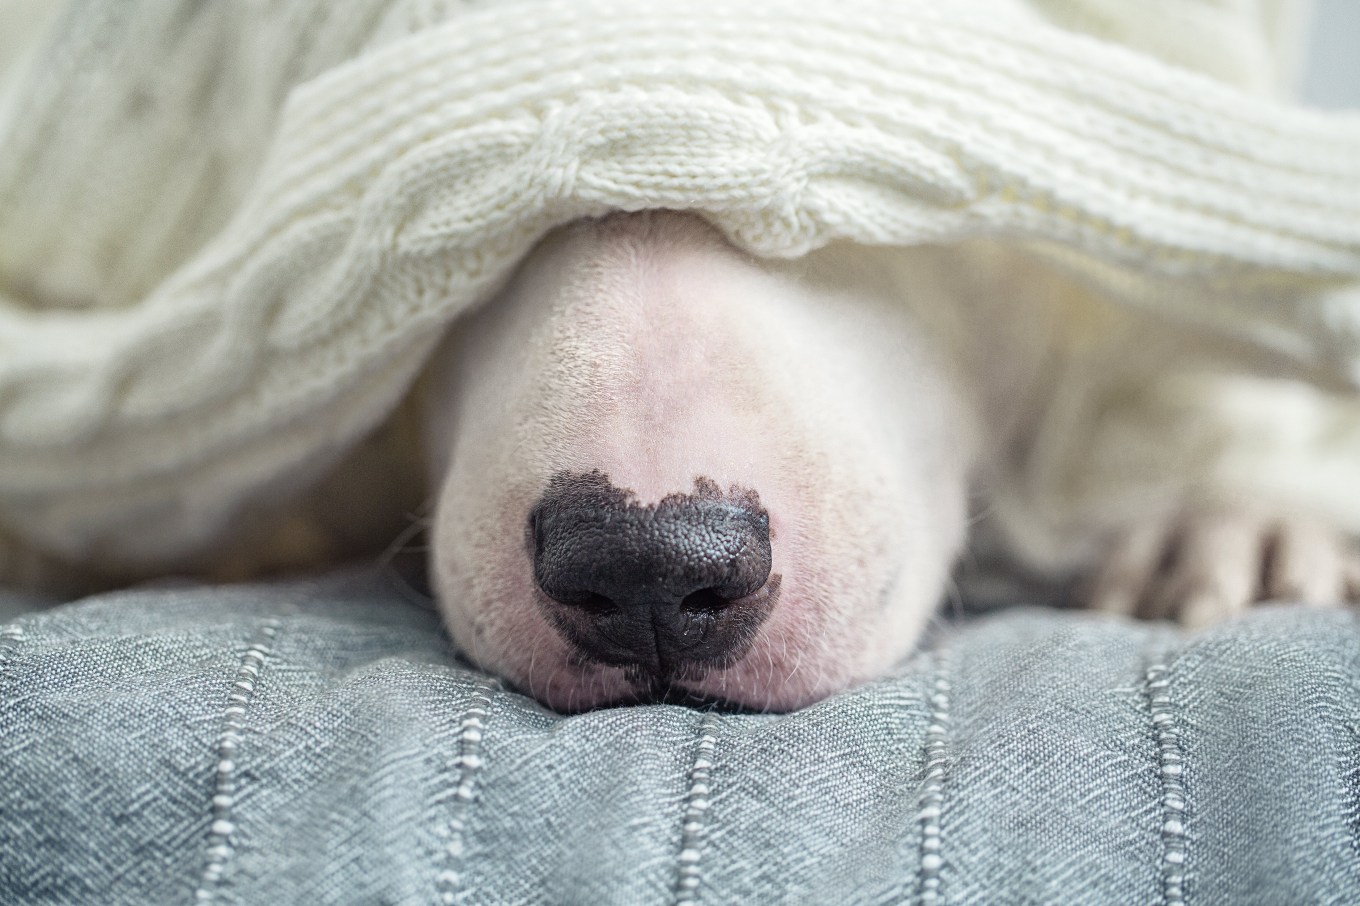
(1208, 564)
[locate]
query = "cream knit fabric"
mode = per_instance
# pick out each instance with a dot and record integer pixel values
(230, 232)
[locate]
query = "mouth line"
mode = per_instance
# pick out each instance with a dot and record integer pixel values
(665, 692)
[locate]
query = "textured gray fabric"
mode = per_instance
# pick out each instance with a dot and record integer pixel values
(317, 743)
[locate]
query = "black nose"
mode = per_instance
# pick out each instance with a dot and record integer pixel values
(665, 588)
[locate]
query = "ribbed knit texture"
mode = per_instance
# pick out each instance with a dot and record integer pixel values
(229, 236)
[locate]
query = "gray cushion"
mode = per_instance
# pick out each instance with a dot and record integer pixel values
(317, 742)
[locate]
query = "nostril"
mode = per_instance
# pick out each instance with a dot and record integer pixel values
(593, 603)
(582, 599)
(705, 600)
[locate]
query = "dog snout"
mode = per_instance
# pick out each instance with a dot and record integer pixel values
(666, 589)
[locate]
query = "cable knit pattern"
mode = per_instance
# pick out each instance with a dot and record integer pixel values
(228, 310)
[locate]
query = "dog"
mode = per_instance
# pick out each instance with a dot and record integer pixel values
(664, 470)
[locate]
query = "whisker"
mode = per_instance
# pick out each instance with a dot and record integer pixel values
(796, 664)
(415, 592)
(418, 523)
(541, 636)
(953, 596)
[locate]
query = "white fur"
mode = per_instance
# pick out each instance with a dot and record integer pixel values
(647, 348)
(862, 393)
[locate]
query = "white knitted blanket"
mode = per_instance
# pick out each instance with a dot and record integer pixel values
(229, 234)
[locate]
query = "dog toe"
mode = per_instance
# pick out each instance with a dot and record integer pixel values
(1210, 564)
(1122, 582)
(1306, 564)
(1212, 569)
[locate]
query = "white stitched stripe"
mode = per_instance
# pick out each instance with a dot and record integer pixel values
(466, 764)
(932, 791)
(1171, 766)
(693, 827)
(220, 846)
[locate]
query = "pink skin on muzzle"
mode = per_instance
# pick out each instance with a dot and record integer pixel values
(645, 349)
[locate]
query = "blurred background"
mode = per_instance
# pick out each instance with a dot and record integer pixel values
(1332, 76)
